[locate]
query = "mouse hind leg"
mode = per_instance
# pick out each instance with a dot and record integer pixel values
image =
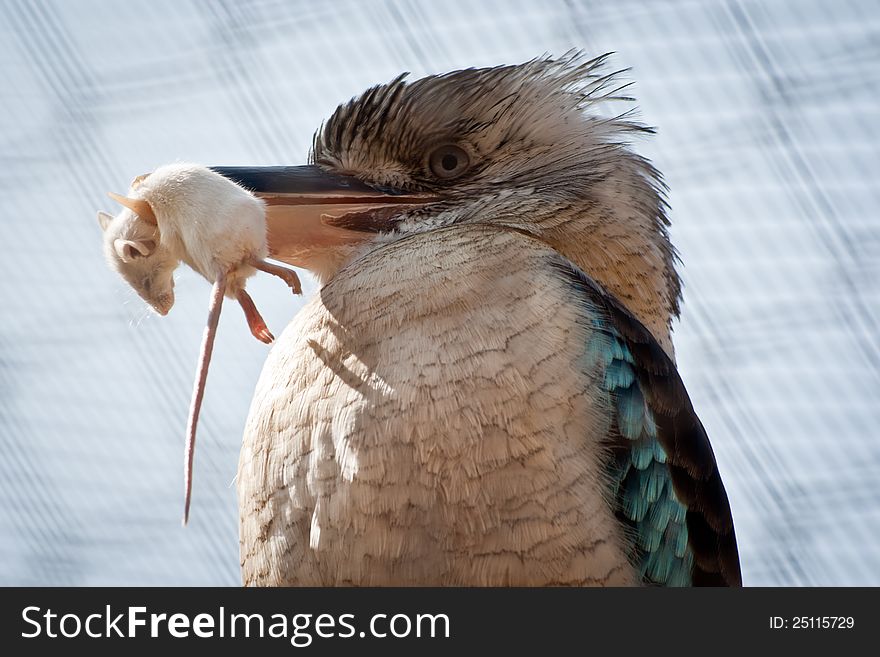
(287, 275)
(255, 321)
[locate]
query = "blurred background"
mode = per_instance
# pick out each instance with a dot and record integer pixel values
(769, 127)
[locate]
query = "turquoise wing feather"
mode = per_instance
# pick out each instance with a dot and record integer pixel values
(643, 490)
(666, 487)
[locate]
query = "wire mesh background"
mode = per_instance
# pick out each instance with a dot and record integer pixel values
(769, 131)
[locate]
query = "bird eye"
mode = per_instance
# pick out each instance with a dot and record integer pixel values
(448, 162)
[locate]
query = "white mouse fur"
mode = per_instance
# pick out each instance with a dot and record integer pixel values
(188, 213)
(201, 218)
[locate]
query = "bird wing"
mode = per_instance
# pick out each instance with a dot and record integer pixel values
(667, 488)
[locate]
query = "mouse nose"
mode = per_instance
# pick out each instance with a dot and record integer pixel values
(162, 304)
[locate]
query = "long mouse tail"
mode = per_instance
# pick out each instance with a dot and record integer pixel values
(199, 387)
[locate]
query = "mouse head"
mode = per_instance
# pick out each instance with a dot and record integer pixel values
(133, 247)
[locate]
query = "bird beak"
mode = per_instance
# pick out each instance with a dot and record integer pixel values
(310, 212)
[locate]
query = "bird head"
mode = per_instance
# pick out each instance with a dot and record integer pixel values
(522, 147)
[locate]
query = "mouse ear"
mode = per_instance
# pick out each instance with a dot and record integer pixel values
(137, 205)
(128, 250)
(104, 219)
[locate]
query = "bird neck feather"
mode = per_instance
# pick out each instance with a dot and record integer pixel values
(619, 237)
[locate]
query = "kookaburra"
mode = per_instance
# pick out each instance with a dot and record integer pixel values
(483, 391)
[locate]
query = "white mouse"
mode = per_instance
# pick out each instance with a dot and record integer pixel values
(189, 213)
